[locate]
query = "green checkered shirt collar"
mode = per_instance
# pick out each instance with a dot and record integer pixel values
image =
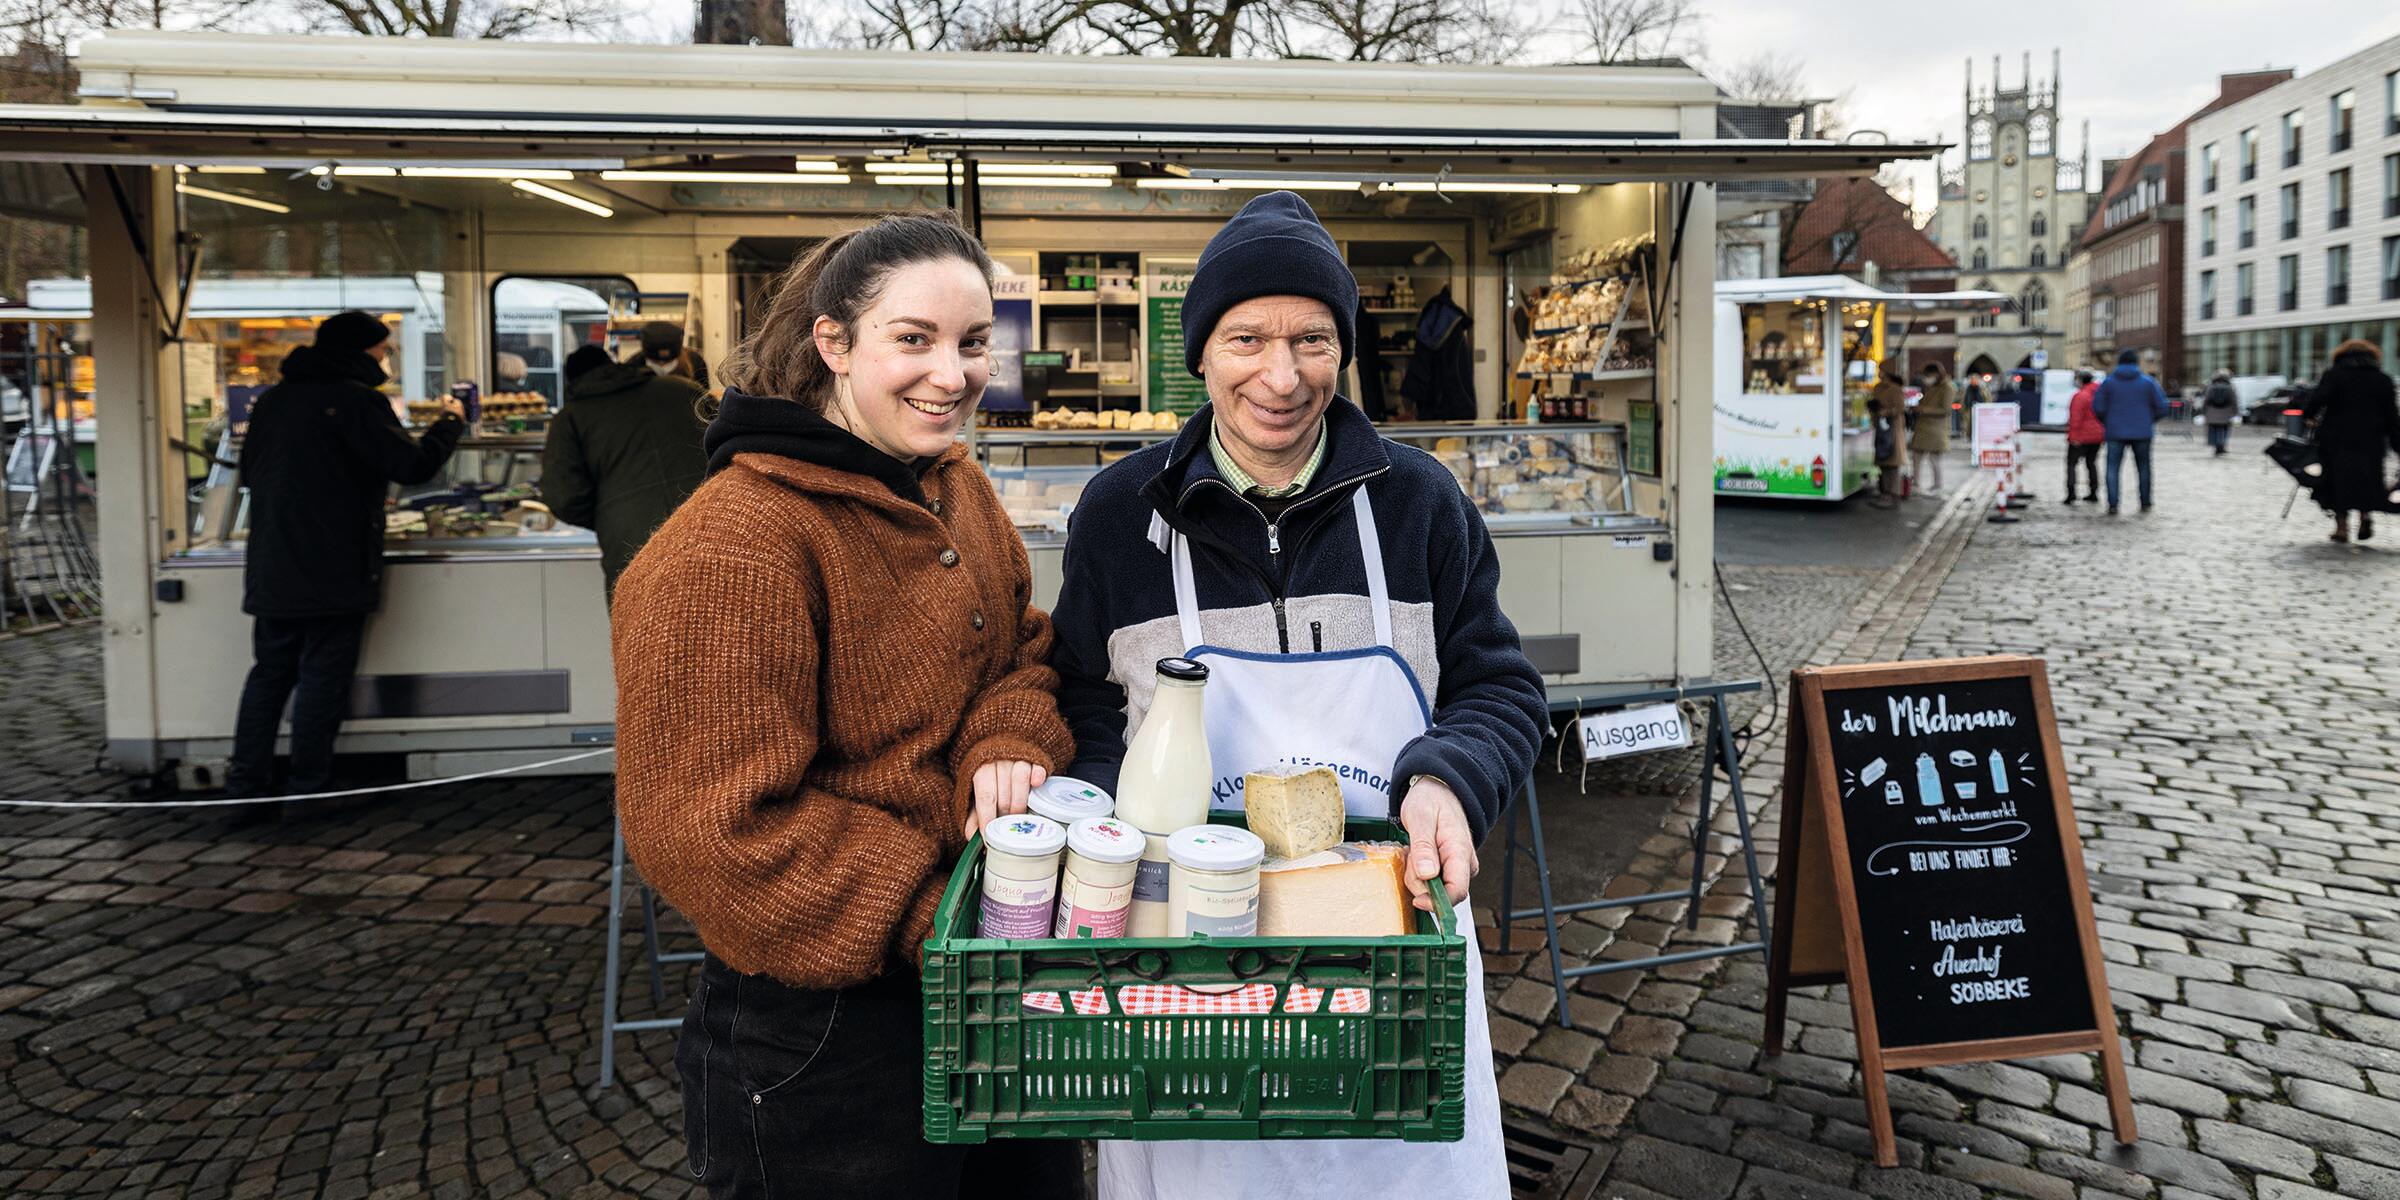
(1244, 484)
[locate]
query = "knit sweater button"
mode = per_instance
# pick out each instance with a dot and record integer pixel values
(978, 620)
(935, 504)
(949, 558)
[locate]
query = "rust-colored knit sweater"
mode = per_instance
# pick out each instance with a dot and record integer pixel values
(809, 671)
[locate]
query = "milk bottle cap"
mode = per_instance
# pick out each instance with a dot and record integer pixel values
(1216, 848)
(1105, 840)
(1025, 835)
(1066, 800)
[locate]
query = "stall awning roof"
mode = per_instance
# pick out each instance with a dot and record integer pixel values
(1842, 287)
(56, 133)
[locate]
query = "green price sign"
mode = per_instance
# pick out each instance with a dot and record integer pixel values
(1171, 388)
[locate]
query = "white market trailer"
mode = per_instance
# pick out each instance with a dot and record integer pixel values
(1796, 364)
(614, 165)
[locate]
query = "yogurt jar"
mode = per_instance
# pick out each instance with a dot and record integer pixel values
(1020, 876)
(1095, 898)
(1212, 886)
(1067, 801)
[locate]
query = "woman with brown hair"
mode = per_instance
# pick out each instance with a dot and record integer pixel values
(828, 677)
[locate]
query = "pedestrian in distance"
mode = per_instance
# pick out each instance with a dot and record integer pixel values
(321, 453)
(1929, 438)
(2084, 436)
(829, 678)
(2220, 407)
(1891, 438)
(2356, 422)
(664, 352)
(2129, 405)
(622, 453)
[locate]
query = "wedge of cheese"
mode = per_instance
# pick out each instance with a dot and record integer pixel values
(1354, 889)
(1294, 814)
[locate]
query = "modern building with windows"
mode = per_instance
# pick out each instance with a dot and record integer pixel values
(2133, 249)
(2296, 194)
(2010, 214)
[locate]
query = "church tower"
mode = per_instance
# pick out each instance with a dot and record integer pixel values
(2012, 204)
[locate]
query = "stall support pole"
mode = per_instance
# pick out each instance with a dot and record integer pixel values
(610, 1026)
(130, 213)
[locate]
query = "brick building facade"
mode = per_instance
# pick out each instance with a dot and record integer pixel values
(1854, 227)
(2136, 247)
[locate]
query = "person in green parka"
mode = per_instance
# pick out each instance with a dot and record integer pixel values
(623, 452)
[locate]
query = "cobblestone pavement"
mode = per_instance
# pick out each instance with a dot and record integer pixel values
(2228, 686)
(398, 997)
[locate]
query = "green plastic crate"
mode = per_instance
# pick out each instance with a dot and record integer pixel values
(996, 1069)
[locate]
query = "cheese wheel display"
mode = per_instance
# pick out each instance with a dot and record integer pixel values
(1353, 889)
(1297, 814)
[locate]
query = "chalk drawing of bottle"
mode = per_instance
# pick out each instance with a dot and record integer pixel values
(1929, 781)
(1999, 775)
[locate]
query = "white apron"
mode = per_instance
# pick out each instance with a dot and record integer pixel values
(1352, 710)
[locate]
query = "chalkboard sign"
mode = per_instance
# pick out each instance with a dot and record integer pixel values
(1931, 863)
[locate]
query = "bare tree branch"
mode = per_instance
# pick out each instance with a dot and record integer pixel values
(1617, 31)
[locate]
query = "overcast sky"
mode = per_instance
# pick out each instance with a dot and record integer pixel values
(2132, 67)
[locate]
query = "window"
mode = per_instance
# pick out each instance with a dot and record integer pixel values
(1983, 228)
(2041, 225)
(2244, 288)
(2287, 283)
(2337, 276)
(2337, 199)
(2104, 319)
(1979, 138)
(2208, 167)
(2291, 138)
(2287, 200)
(2037, 135)
(2391, 268)
(2245, 222)
(2208, 295)
(1845, 244)
(2391, 102)
(2391, 185)
(1985, 318)
(2337, 134)
(2033, 305)
(2041, 255)
(1983, 261)
(2208, 230)
(2249, 154)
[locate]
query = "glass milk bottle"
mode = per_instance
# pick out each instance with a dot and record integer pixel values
(1163, 785)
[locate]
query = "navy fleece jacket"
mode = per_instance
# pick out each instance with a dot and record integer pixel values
(1116, 609)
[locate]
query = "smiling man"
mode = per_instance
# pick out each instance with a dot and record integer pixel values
(1343, 594)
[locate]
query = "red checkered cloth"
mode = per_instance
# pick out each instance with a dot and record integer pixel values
(1170, 999)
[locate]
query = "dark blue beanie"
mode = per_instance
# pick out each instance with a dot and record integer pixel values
(1273, 247)
(2128, 356)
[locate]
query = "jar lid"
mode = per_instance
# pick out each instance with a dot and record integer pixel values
(1067, 801)
(1106, 840)
(1184, 669)
(1216, 848)
(1026, 835)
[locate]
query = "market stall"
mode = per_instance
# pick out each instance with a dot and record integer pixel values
(1796, 364)
(1459, 194)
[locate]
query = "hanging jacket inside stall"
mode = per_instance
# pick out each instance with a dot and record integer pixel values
(1441, 371)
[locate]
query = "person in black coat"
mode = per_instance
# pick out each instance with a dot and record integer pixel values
(2356, 421)
(322, 450)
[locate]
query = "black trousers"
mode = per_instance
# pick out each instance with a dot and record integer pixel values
(2089, 456)
(308, 661)
(791, 1092)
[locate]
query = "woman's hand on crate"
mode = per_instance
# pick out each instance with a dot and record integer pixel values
(1001, 789)
(1439, 841)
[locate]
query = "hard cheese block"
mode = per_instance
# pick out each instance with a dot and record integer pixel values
(1351, 890)
(1294, 815)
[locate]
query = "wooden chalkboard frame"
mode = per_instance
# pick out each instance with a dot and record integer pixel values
(1815, 944)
